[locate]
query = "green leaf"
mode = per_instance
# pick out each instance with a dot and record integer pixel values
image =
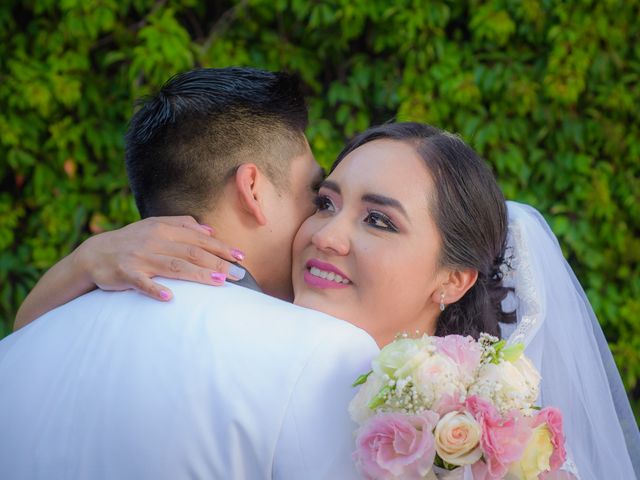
(513, 352)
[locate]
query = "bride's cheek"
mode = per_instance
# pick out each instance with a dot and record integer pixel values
(303, 236)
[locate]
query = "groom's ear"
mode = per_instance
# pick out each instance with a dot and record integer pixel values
(250, 185)
(455, 285)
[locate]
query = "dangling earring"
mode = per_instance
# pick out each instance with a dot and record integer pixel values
(442, 301)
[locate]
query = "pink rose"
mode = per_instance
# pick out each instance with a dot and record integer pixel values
(553, 418)
(394, 444)
(503, 439)
(465, 351)
(448, 403)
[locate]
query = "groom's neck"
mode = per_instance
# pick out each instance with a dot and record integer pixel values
(241, 233)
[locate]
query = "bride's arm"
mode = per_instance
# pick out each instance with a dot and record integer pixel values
(61, 283)
(173, 247)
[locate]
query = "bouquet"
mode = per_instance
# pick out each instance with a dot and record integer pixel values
(435, 404)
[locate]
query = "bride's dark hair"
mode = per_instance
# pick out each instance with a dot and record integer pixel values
(471, 215)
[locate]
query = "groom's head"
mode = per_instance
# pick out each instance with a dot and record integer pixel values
(227, 146)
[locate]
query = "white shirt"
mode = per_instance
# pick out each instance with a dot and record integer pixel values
(221, 382)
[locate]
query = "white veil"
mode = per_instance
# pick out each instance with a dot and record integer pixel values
(564, 340)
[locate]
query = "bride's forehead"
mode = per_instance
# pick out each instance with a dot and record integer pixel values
(411, 186)
(382, 162)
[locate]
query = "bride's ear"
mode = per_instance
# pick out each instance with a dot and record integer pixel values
(250, 184)
(455, 285)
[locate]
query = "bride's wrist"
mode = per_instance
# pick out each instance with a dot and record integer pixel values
(81, 262)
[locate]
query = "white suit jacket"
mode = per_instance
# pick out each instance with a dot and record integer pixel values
(219, 383)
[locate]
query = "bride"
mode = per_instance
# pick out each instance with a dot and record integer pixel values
(412, 234)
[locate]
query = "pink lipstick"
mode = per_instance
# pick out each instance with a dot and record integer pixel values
(324, 275)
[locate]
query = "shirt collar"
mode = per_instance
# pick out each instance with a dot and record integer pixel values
(248, 282)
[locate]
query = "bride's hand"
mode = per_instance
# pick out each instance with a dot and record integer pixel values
(172, 247)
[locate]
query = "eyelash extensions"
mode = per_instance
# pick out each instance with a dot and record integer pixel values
(321, 202)
(375, 216)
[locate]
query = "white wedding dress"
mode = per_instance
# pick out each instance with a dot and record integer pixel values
(564, 340)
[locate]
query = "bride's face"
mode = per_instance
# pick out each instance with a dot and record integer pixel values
(369, 255)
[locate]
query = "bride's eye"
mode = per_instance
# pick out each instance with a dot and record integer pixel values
(380, 220)
(323, 203)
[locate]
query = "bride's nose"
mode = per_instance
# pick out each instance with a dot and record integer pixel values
(332, 236)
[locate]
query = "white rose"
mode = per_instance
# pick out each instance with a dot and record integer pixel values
(505, 385)
(359, 405)
(457, 436)
(435, 376)
(530, 375)
(396, 356)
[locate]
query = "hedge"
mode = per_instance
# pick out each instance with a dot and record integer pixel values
(545, 90)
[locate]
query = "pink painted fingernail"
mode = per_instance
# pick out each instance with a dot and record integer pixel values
(219, 277)
(207, 228)
(237, 254)
(165, 295)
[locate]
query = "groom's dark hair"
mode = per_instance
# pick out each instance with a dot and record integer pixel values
(186, 141)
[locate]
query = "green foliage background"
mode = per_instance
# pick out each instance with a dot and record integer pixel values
(547, 91)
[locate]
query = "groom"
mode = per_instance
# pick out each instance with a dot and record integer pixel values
(220, 382)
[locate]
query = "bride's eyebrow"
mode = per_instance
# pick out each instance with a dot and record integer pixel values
(374, 198)
(331, 185)
(385, 202)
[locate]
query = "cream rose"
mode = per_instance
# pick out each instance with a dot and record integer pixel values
(437, 375)
(457, 436)
(505, 385)
(396, 355)
(530, 375)
(536, 455)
